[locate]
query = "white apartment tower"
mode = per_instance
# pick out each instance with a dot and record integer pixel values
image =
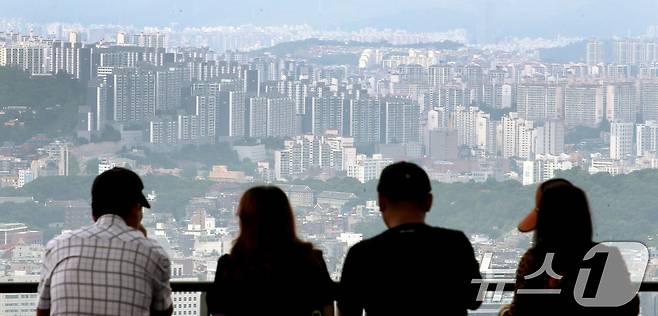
(621, 140)
(646, 138)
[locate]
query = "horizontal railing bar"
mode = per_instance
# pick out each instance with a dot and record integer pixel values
(648, 286)
(176, 286)
(198, 286)
(190, 286)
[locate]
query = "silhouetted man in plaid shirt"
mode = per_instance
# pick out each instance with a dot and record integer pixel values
(110, 267)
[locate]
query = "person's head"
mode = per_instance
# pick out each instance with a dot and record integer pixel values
(530, 221)
(404, 193)
(118, 191)
(563, 218)
(267, 222)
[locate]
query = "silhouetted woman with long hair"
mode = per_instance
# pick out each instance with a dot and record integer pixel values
(563, 235)
(269, 269)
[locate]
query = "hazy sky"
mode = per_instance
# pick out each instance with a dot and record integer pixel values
(503, 17)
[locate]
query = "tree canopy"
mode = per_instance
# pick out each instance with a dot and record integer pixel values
(37, 104)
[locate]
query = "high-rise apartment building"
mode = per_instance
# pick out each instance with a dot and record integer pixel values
(364, 120)
(518, 137)
(308, 151)
(539, 102)
(631, 51)
(621, 102)
(646, 138)
(594, 52)
(368, 168)
(156, 40)
(439, 75)
(281, 117)
(71, 58)
(30, 56)
(649, 99)
(168, 85)
(471, 125)
(325, 113)
(400, 121)
(443, 144)
(206, 111)
(584, 105)
(543, 168)
(133, 94)
(621, 140)
(163, 131)
(231, 114)
(256, 116)
(188, 128)
(550, 138)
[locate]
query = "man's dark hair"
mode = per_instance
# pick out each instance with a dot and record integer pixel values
(404, 182)
(116, 191)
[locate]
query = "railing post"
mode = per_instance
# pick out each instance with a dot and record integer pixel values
(203, 308)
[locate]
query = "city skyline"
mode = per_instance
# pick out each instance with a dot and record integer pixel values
(318, 100)
(486, 21)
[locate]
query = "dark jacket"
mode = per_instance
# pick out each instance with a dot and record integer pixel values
(566, 264)
(292, 284)
(411, 269)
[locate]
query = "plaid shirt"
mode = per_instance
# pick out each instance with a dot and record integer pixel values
(107, 268)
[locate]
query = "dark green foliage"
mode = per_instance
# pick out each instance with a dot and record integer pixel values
(336, 184)
(74, 166)
(273, 143)
(35, 215)
(496, 114)
(92, 167)
(581, 133)
(53, 104)
(109, 134)
(173, 193)
(623, 207)
(565, 54)
(304, 45)
(221, 153)
(59, 188)
(199, 156)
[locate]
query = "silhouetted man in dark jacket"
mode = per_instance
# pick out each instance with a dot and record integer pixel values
(412, 268)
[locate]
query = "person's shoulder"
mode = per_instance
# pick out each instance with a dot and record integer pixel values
(317, 254)
(224, 259)
(368, 243)
(150, 246)
(67, 237)
(224, 262)
(446, 233)
(527, 259)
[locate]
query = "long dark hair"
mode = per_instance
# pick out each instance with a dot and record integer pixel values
(564, 221)
(267, 226)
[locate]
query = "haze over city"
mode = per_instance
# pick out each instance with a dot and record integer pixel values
(205, 99)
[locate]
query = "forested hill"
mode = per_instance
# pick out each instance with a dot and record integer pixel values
(624, 207)
(304, 45)
(30, 105)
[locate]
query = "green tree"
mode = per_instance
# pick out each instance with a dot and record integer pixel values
(74, 166)
(109, 134)
(52, 104)
(92, 167)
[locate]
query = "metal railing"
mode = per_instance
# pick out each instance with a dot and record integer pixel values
(198, 286)
(176, 286)
(204, 287)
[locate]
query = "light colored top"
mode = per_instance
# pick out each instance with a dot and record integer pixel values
(108, 268)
